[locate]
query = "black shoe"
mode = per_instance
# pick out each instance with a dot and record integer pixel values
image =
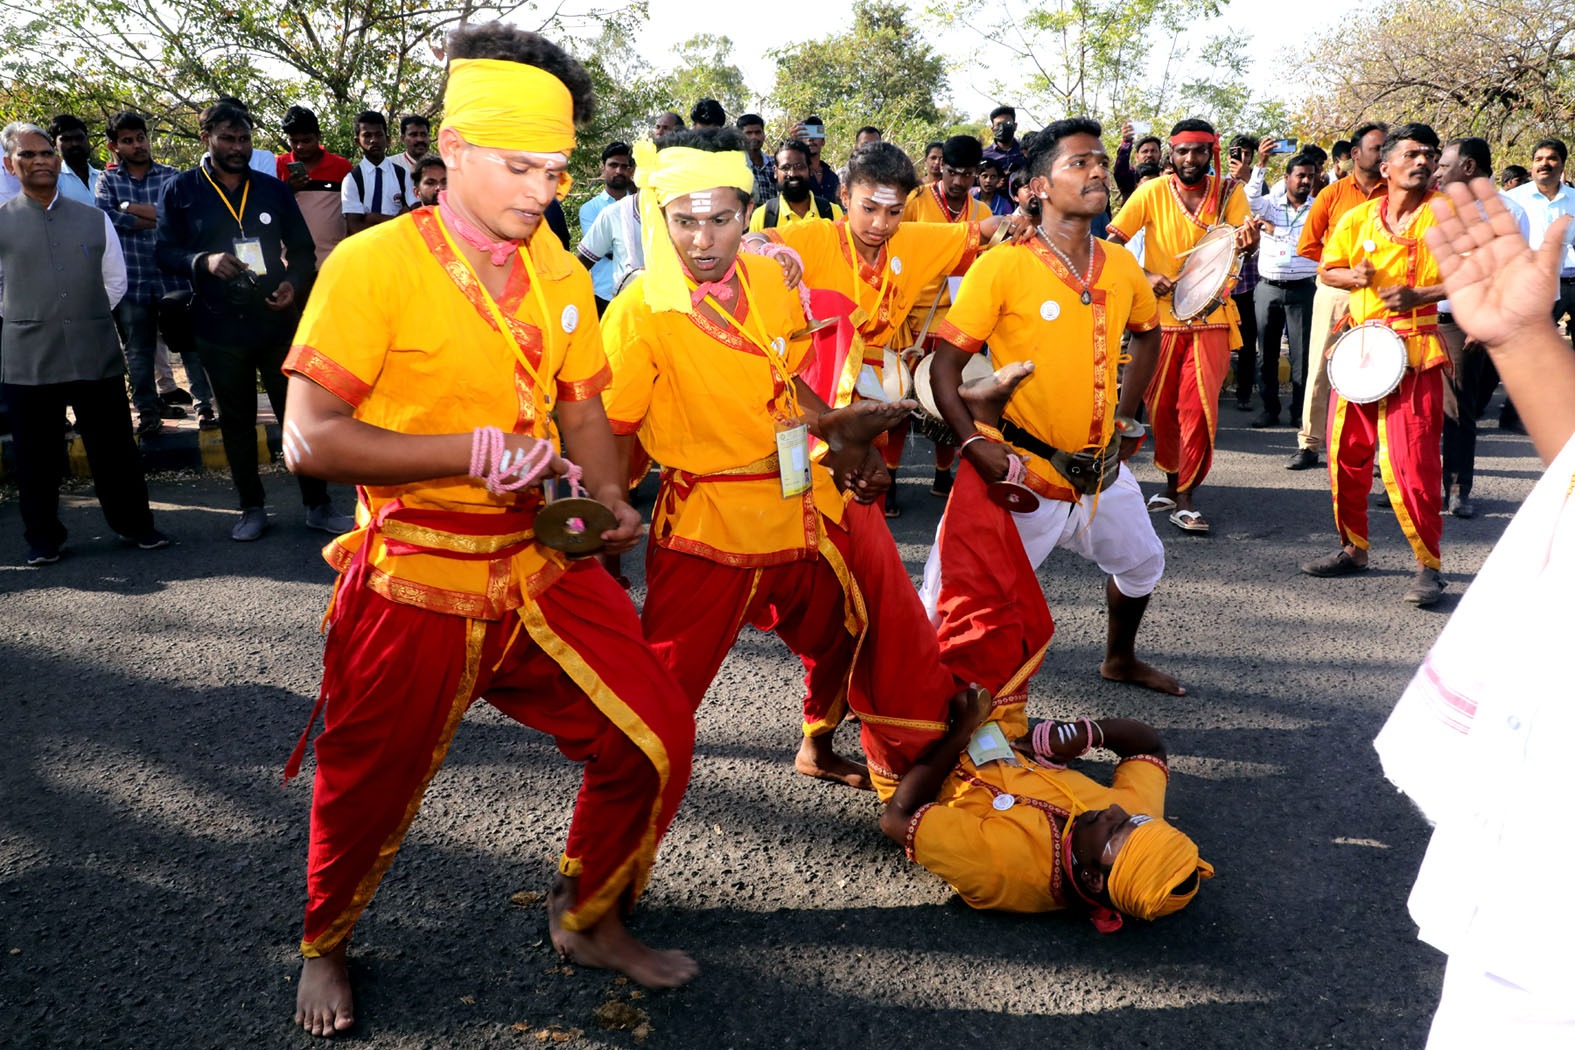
(152, 540)
(176, 397)
(1427, 586)
(167, 411)
(1265, 419)
(1462, 507)
(1337, 564)
(942, 485)
(1513, 425)
(149, 426)
(1302, 459)
(1244, 404)
(43, 555)
(206, 420)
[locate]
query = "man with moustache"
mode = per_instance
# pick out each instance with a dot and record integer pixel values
(1183, 400)
(1462, 161)
(78, 177)
(823, 179)
(794, 201)
(431, 177)
(753, 127)
(617, 179)
(415, 132)
(1330, 304)
(240, 238)
(1545, 199)
(1129, 158)
(1377, 254)
(1054, 311)
(1287, 282)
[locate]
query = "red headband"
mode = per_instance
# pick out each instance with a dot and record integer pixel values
(1193, 136)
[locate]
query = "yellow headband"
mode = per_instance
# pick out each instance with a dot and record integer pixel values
(1155, 859)
(508, 105)
(664, 176)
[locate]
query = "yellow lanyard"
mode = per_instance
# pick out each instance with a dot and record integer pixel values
(885, 276)
(777, 361)
(245, 192)
(541, 401)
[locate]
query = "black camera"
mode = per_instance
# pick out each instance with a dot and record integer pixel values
(243, 290)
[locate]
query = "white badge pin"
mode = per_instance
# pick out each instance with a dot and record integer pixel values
(1369, 246)
(1004, 802)
(571, 318)
(1050, 310)
(779, 345)
(265, 218)
(896, 265)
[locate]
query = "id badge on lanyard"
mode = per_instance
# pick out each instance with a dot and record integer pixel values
(793, 458)
(250, 252)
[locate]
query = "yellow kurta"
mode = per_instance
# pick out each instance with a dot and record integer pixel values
(915, 255)
(1022, 300)
(1156, 207)
(1009, 859)
(1398, 261)
(703, 399)
(927, 205)
(436, 364)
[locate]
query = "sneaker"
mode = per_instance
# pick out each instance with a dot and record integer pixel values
(152, 540)
(171, 412)
(149, 426)
(1427, 586)
(1337, 564)
(943, 483)
(254, 520)
(325, 518)
(1462, 507)
(1302, 459)
(206, 419)
(175, 397)
(43, 555)
(1244, 404)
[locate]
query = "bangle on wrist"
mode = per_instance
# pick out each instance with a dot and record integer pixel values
(976, 437)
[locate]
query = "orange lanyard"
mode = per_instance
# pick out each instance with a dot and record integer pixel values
(245, 192)
(777, 361)
(885, 276)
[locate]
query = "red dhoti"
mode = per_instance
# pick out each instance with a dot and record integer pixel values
(851, 615)
(1183, 399)
(993, 622)
(396, 681)
(1405, 431)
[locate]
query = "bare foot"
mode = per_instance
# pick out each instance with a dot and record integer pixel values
(610, 946)
(323, 1004)
(815, 758)
(861, 422)
(986, 398)
(1135, 672)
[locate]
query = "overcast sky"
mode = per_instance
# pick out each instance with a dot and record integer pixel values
(772, 25)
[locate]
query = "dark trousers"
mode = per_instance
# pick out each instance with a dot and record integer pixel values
(233, 371)
(1247, 356)
(139, 331)
(38, 443)
(1460, 418)
(1283, 309)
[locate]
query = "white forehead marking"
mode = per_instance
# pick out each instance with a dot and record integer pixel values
(885, 195)
(700, 203)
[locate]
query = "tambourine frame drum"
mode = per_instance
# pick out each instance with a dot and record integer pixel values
(1208, 274)
(1367, 363)
(927, 417)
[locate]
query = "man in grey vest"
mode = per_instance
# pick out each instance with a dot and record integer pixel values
(63, 272)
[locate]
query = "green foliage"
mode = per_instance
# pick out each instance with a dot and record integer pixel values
(880, 72)
(706, 70)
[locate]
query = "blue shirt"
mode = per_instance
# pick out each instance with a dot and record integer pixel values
(73, 188)
(146, 283)
(602, 272)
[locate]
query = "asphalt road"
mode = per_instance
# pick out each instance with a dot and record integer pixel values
(151, 862)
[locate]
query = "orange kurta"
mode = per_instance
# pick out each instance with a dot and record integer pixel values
(1156, 207)
(1007, 859)
(694, 391)
(435, 363)
(1022, 300)
(1326, 211)
(927, 204)
(889, 291)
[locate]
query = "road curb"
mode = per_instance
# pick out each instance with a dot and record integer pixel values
(172, 449)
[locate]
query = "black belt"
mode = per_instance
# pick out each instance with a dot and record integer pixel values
(1289, 284)
(1567, 280)
(1446, 318)
(1087, 472)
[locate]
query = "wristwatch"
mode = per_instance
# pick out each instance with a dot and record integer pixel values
(125, 205)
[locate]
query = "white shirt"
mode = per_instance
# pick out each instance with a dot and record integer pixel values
(1542, 211)
(391, 203)
(404, 161)
(73, 188)
(9, 186)
(1277, 258)
(113, 264)
(616, 231)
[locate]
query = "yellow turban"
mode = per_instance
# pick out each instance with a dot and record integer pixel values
(664, 176)
(508, 105)
(1156, 859)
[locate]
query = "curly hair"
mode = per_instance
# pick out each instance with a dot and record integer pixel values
(506, 43)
